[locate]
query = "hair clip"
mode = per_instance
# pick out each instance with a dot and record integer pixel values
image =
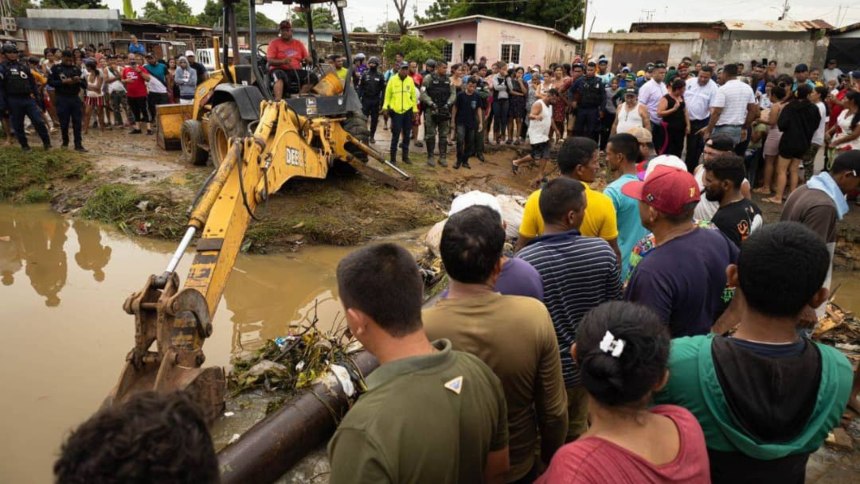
(611, 345)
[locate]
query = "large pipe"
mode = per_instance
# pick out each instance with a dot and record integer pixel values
(270, 448)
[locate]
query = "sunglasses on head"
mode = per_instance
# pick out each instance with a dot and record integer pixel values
(659, 65)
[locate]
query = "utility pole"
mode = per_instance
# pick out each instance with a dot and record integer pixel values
(785, 8)
(584, 21)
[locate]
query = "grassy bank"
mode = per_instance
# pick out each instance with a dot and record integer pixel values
(135, 210)
(33, 177)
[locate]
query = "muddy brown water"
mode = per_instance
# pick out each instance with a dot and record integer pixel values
(66, 335)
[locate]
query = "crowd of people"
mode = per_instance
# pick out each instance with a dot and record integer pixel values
(90, 87)
(658, 331)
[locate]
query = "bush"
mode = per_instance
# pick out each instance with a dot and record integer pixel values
(415, 49)
(111, 203)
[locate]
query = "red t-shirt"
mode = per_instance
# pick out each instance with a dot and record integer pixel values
(595, 460)
(137, 86)
(282, 49)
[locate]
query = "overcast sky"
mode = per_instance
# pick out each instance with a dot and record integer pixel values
(606, 14)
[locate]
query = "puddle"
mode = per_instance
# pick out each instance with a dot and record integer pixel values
(66, 335)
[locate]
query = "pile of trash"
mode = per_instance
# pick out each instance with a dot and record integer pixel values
(840, 329)
(289, 363)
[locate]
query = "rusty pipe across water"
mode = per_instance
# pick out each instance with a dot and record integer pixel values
(269, 449)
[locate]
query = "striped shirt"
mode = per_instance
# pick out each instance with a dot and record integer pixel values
(734, 97)
(579, 273)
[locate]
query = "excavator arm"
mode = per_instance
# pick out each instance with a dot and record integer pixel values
(178, 319)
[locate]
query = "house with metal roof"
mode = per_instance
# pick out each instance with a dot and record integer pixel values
(790, 42)
(496, 39)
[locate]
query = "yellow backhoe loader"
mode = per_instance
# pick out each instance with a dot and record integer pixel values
(264, 144)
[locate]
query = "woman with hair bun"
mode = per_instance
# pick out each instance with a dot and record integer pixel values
(622, 350)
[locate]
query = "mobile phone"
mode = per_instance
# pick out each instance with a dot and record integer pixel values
(764, 61)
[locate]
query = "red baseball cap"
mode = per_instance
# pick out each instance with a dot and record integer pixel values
(668, 190)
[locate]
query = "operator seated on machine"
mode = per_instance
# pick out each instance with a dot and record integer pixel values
(285, 56)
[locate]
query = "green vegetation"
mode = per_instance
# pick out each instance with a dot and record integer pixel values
(134, 211)
(415, 49)
(30, 176)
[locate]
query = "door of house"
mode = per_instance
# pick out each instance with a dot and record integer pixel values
(637, 55)
(468, 52)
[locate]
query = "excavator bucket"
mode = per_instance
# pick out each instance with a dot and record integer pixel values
(169, 118)
(177, 322)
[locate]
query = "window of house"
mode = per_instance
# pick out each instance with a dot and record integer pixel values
(448, 52)
(511, 53)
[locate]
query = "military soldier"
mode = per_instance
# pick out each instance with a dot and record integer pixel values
(438, 95)
(371, 88)
(19, 94)
(483, 90)
(67, 80)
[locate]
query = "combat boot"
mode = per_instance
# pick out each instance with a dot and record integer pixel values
(430, 157)
(394, 157)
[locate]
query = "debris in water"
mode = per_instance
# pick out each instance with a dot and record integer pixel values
(233, 439)
(229, 414)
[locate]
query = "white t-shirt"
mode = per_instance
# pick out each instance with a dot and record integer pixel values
(699, 98)
(831, 74)
(818, 136)
(539, 128)
(650, 94)
(733, 97)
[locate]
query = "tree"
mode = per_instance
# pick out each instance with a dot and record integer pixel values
(389, 27)
(415, 49)
(562, 15)
(360, 30)
(19, 7)
(72, 4)
(211, 15)
(322, 18)
(169, 12)
(437, 11)
(402, 23)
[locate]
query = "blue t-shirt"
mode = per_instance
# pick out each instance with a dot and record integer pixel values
(684, 281)
(630, 229)
(136, 48)
(519, 278)
(158, 70)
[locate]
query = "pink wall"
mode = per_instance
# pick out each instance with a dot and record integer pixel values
(457, 35)
(536, 46)
(494, 34)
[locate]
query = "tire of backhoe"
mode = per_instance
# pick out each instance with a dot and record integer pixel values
(356, 125)
(191, 137)
(225, 122)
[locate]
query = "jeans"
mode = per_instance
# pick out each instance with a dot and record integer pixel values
(401, 126)
(154, 99)
(20, 106)
(465, 143)
(119, 102)
(500, 113)
(695, 143)
(70, 108)
(733, 131)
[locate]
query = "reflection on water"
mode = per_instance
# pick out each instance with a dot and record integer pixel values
(67, 336)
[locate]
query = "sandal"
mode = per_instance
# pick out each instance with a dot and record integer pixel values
(772, 200)
(762, 191)
(515, 168)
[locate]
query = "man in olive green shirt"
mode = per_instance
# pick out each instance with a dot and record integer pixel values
(430, 414)
(514, 335)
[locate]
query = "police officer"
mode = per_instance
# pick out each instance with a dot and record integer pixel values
(371, 88)
(67, 81)
(591, 92)
(437, 95)
(19, 94)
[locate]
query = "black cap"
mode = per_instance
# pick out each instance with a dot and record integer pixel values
(10, 49)
(721, 143)
(801, 68)
(847, 161)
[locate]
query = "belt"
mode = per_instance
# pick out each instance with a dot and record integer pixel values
(730, 126)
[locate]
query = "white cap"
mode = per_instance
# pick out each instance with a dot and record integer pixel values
(475, 197)
(671, 161)
(510, 65)
(189, 52)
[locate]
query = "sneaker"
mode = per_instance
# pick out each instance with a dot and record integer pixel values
(149, 132)
(457, 165)
(466, 165)
(419, 144)
(47, 146)
(65, 145)
(442, 162)
(26, 148)
(481, 157)
(508, 142)
(407, 161)
(135, 131)
(81, 149)
(372, 141)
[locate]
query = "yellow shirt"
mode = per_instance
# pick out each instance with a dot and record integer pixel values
(342, 73)
(599, 221)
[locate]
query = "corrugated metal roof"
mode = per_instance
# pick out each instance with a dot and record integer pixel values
(776, 25)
